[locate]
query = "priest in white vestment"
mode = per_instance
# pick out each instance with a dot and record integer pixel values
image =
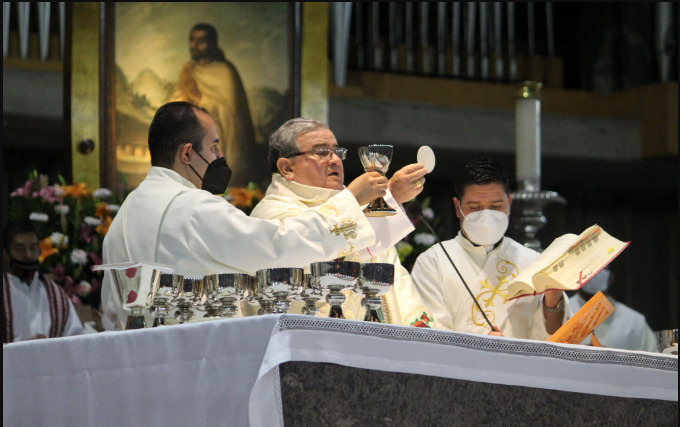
(176, 216)
(307, 173)
(487, 261)
(33, 306)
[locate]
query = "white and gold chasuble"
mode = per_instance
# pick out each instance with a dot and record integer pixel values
(402, 305)
(167, 220)
(487, 274)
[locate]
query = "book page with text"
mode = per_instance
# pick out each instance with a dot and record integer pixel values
(547, 258)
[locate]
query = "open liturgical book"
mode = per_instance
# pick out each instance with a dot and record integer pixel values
(568, 263)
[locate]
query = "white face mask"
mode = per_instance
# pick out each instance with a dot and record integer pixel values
(485, 227)
(598, 283)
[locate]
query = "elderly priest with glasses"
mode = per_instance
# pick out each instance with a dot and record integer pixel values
(308, 174)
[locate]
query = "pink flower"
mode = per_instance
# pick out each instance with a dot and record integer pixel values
(86, 233)
(22, 191)
(59, 272)
(96, 259)
(47, 195)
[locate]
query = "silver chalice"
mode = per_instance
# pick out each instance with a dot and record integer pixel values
(377, 158)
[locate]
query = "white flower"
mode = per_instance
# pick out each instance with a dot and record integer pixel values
(58, 191)
(424, 239)
(113, 208)
(58, 239)
(228, 197)
(62, 209)
(38, 217)
(102, 193)
(92, 221)
(79, 256)
(428, 213)
(83, 288)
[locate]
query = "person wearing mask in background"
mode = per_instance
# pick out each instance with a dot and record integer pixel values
(33, 306)
(625, 328)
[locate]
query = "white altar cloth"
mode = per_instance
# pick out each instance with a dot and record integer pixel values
(197, 374)
(498, 360)
(225, 372)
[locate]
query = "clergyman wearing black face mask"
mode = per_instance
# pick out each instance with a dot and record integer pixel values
(216, 176)
(33, 306)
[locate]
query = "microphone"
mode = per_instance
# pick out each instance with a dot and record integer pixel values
(416, 210)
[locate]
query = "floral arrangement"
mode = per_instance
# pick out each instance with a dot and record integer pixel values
(244, 198)
(420, 239)
(73, 220)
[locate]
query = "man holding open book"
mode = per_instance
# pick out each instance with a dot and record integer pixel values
(487, 261)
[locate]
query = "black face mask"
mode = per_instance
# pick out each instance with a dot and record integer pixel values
(23, 270)
(216, 177)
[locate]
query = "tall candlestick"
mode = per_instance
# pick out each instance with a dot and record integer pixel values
(528, 135)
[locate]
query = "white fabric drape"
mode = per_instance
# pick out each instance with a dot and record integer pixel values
(224, 372)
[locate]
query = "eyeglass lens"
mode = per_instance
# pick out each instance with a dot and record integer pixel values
(324, 152)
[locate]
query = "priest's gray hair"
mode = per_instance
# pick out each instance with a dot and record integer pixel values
(283, 142)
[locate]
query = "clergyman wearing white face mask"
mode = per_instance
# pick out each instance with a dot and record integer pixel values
(488, 261)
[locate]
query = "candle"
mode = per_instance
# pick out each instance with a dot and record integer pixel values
(528, 136)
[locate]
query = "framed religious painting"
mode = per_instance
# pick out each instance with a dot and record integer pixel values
(238, 60)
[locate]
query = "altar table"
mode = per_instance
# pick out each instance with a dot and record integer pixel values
(244, 372)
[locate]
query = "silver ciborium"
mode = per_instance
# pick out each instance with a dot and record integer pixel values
(275, 286)
(169, 286)
(377, 278)
(160, 309)
(212, 305)
(168, 289)
(193, 290)
(377, 158)
(136, 286)
(231, 288)
(189, 297)
(333, 277)
(667, 341)
(310, 294)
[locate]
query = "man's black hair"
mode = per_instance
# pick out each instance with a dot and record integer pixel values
(174, 124)
(480, 171)
(12, 228)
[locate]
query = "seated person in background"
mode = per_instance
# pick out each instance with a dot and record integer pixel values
(487, 261)
(32, 305)
(624, 328)
(177, 217)
(308, 172)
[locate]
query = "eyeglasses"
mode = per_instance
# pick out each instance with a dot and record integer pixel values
(322, 152)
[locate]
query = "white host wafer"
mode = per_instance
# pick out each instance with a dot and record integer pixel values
(426, 157)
